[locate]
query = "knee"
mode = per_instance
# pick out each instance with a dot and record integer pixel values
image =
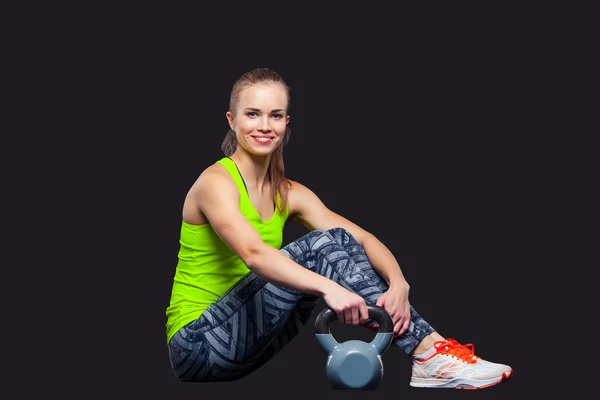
(333, 232)
(337, 230)
(338, 236)
(342, 235)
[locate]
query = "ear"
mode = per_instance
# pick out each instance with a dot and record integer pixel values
(230, 119)
(287, 119)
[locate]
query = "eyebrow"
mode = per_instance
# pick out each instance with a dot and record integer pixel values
(256, 109)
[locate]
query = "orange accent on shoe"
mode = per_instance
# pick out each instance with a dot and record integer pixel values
(464, 352)
(503, 379)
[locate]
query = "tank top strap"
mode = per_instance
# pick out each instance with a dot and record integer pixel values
(233, 170)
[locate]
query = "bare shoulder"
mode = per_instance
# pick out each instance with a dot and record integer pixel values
(295, 191)
(300, 197)
(307, 208)
(214, 174)
(214, 186)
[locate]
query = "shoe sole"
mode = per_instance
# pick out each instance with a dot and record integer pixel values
(459, 383)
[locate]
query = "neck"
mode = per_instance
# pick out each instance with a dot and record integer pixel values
(254, 169)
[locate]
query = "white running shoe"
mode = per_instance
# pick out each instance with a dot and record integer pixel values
(455, 366)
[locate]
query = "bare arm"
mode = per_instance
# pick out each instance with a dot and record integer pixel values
(217, 197)
(307, 209)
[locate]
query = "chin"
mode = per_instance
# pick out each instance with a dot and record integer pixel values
(263, 152)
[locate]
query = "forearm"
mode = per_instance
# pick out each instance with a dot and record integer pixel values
(384, 262)
(275, 267)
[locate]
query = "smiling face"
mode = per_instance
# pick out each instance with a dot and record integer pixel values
(260, 118)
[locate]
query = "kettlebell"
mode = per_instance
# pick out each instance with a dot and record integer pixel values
(355, 364)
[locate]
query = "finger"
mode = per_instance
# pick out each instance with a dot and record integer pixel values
(396, 317)
(348, 316)
(340, 317)
(380, 301)
(397, 328)
(355, 314)
(364, 313)
(405, 326)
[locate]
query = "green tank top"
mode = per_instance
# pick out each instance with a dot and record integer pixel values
(206, 267)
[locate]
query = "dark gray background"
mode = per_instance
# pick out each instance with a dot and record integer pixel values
(429, 129)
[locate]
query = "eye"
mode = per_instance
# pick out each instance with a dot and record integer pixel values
(277, 116)
(251, 114)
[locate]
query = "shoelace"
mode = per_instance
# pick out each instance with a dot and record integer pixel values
(465, 352)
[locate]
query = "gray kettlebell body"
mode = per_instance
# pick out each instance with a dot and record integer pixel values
(355, 364)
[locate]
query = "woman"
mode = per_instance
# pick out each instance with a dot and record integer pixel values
(238, 297)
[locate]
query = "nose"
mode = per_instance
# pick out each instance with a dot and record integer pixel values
(264, 125)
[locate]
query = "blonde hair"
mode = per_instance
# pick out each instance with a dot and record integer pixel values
(279, 183)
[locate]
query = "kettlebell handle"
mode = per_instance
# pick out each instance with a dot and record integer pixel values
(382, 339)
(377, 313)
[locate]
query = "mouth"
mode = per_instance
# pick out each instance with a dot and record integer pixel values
(263, 139)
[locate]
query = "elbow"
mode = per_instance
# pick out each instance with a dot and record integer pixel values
(253, 256)
(363, 237)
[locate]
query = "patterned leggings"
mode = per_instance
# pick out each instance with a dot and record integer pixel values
(255, 319)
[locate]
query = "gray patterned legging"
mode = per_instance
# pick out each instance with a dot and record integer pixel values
(255, 319)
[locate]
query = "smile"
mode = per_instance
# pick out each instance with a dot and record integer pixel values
(263, 139)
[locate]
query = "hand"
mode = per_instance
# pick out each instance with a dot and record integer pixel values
(395, 301)
(349, 307)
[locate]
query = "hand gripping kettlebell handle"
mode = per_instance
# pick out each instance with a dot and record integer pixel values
(381, 341)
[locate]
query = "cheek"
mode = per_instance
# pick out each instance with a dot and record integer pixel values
(281, 126)
(245, 126)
